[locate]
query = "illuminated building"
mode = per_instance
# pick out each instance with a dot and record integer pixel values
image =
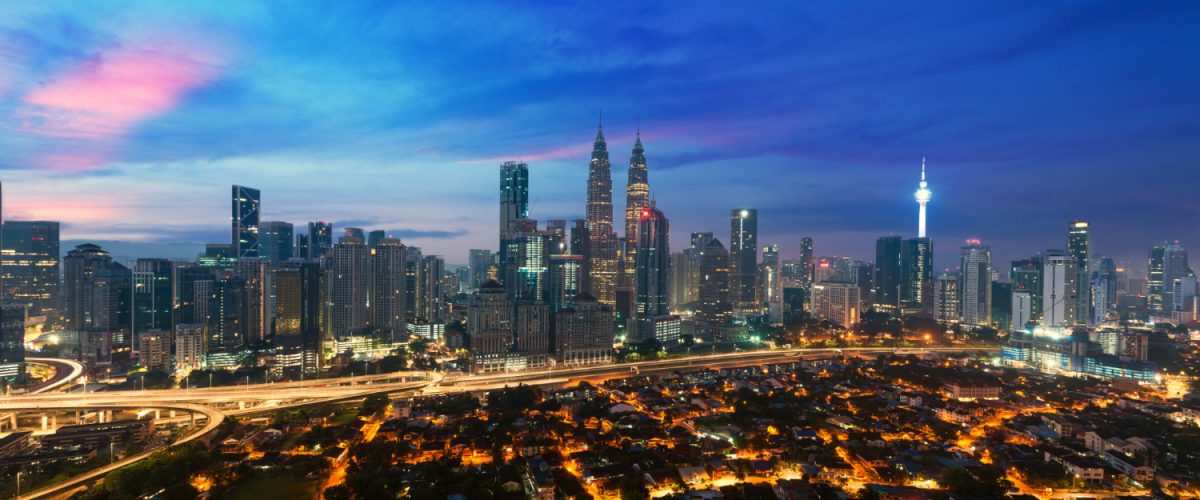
(602, 242)
(257, 311)
(743, 258)
(12, 341)
(566, 281)
(151, 305)
(388, 281)
(317, 243)
(947, 297)
(246, 207)
(1078, 301)
(916, 277)
(154, 350)
(298, 308)
(681, 270)
(584, 332)
(1026, 276)
(694, 254)
(836, 302)
(276, 242)
(715, 306)
(96, 296)
(637, 198)
(1054, 288)
(835, 269)
(1168, 264)
(1057, 350)
(770, 283)
(506, 334)
(478, 261)
(887, 272)
(514, 196)
(30, 265)
(652, 283)
(806, 263)
(191, 344)
(976, 286)
(348, 285)
(1022, 310)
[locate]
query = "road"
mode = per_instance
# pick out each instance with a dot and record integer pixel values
(66, 372)
(214, 402)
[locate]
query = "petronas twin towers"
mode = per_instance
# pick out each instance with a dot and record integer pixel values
(608, 268)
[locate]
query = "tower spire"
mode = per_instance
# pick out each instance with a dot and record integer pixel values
(922, 168)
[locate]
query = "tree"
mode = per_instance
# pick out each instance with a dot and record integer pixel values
(632, 488)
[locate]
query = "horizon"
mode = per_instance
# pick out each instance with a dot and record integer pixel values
(131, 124)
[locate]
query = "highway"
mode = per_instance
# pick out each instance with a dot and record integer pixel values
(66, 372)
(218, 402)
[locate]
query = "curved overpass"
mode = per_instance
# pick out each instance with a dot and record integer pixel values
(66, 372)
(64, 488)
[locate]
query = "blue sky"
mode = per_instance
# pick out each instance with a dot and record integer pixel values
(129, 121)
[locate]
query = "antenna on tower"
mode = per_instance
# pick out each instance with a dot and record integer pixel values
(922, 168)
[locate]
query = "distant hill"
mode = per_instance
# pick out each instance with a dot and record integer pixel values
(122, 251)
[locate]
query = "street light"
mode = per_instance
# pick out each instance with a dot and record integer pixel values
(18, 483)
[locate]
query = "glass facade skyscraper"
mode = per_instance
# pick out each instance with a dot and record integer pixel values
(652, 279)
(743, 258)
(247, 203)
(514, 195)
(1079, 244)
(30, 265)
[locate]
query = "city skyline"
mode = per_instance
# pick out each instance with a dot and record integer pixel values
(154, 166)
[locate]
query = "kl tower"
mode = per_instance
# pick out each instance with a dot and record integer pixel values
(923, 193)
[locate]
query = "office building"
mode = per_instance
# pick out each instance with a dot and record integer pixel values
(257, 310)
(247, 203)
(770, 283)
(947, 299)
(374, 238)
(12, 341)
(916, 277)
(152, 301)
(191, 345)
(807, 264)
(477, 265)
(887, 272)
(1057, 267)
(30, 271)
(1022, 310)
(349, 281)
(694, 253)
(1026, 276)
(298, 309)
(715, 307)
(602, 241)
(836, 302)
(743, 258)
(652, 279)
(154, 351)
(975, 289)
(96, 302)
(514, 195)
(1168, 263)
(679, 274)
(584, 332)
(318, 241)
(1078, 302)
(277, 241)
(566, 281)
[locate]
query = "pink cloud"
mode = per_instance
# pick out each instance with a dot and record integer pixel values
(108, 94)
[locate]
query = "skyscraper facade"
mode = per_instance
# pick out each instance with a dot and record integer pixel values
(1079, 243)
(836, 302)
(584, 332)
(637, 198)
(1058, 266)
(30, 261)
(96, 302)
(277, 241)
(947, 299)
(652, 279)
(916, 277)
(602, 242)
(478, 261)
(566, 281)
(770, 283)
(348, 287)
(806, 263)
(247, 203)
(388, 281)
(887, 272)
(715, 306)
(514, 195)
(743, 258)
(319, 241)
(1026, 276)
(976, 284)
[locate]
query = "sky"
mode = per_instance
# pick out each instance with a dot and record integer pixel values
(129, 121)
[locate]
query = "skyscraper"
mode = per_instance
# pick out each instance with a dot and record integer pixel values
(922, 195)
(1026, 276)
(806, 263)
(257, 310)
(916, 277)
(694, 254)
(976, 284)
(714, 305)
(743, 257)
(836, 302)
(96, 301)
(298, 308)
(602, 244)
(388, 281)
(887, 272)
(246, 205)
(490, 327)
(30, 265)
(478, 261)
(681, 269)
(1057, 267)
(770, 282)
(348, 286)
(565, 282)
(319, 240)
(637, 198)
(652, 280)
(514, 195)
(375, 237)
(152, 296)
(12, 341)
(947, 297)
(584, 332)
(1079, 243)
(1168, 264)
(278, 241)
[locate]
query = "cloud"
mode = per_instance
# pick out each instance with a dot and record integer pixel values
(428, 233)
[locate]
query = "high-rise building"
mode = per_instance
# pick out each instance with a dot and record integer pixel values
(743, 258)
(680, 271)
(694, 254)
(246, 208)
(277, 241)
(1103, 288)
(806, 263)
(637, 198)
(1079, 244)
(947, 299)
(30, 261)
(916, 277)
(514, 195)
(1022, 309)
(478, 261)
(430, 298)
(836, 302)
(566, 281)
(1026, 276)
(887, 272)
(490, 325)
(96, 302)
(836, 269)
(770, 283)
(258, 311)
(298, 309)
(152, 300)
(922, 195)
(228, 313)
(388, 280)
(12, 341)
(375, 237)
(715, 306)
(652, 280)
(1057, 267)
(184, 276)
(319, 241)
(975, 289)
(584, 332)
(355, 233)
(1168, 263)
(154, 351)
(191, 344)
(602, 242)
(348, 286)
